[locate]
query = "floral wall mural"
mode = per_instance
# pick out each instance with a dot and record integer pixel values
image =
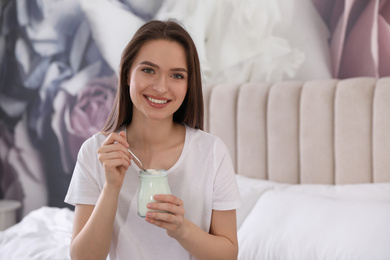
(59, 59)
(56, 91)
(360, 36)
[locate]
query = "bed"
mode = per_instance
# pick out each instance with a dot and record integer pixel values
(312, 164)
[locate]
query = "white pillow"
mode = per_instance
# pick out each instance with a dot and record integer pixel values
(294, 225)
(251, 189)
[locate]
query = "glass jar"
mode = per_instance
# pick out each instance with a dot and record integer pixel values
(152, 182)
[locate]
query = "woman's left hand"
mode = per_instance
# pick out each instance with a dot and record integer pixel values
(173, 221)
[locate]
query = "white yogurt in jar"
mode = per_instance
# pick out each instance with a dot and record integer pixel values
(152, 182)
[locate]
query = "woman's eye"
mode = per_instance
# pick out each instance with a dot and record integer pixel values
(147, 70)
(177, 76)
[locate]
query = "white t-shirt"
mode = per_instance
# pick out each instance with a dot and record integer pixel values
(203, 177)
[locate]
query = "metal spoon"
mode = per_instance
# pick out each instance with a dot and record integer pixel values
(138, 160)
(135, 157)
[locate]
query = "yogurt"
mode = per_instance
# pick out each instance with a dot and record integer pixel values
(152, 182)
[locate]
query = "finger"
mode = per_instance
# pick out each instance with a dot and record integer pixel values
(123, 139)
(123, 134)
(168, 207)
(160, 223)
(115, 154)
(164, 216)
(164, 220)
(115, 137)
(168, 199)
(112, 166)
(106, 148)
(117, 150)
(115, 163)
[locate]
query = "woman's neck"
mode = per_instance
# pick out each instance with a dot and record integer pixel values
(151, 134)
(158, 145)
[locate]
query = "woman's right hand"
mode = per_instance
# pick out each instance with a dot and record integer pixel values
(93, 224)
(115, 158)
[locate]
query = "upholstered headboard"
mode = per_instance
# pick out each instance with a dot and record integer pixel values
(325, 131)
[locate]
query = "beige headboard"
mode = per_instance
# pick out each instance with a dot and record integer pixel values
(326, 131)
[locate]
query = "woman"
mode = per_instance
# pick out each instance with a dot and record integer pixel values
(158, 114)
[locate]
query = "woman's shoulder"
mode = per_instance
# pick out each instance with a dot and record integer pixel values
(198, 133)
(203, 137)
(209, 146)
(94, 141)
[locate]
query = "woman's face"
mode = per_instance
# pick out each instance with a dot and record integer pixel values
(158, 80)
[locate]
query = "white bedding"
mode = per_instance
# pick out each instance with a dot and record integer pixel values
(43, 234)
(277, 221)
(284, 221)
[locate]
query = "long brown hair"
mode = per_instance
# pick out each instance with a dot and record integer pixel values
(191, 110)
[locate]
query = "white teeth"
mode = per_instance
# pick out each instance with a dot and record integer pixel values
(157, 101)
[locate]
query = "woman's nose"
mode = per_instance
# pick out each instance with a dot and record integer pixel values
(161, 84)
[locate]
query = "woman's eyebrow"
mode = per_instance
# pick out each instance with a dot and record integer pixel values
(150, 64)
(179, 69)
(156, 66)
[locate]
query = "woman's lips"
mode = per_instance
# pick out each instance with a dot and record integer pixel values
(157, 102)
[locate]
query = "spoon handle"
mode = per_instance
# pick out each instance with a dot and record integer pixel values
(135, 157)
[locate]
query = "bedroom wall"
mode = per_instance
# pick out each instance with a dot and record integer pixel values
(59, 61)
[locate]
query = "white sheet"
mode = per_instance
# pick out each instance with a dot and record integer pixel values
(43, 234)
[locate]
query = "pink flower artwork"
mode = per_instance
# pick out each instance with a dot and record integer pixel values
(360, 36)
(79, 115)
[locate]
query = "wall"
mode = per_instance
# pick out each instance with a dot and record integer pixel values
(59, 61)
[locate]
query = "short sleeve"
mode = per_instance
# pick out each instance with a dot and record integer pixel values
(85, 185)
(226, 193)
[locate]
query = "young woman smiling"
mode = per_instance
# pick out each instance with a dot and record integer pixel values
(158, 113)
